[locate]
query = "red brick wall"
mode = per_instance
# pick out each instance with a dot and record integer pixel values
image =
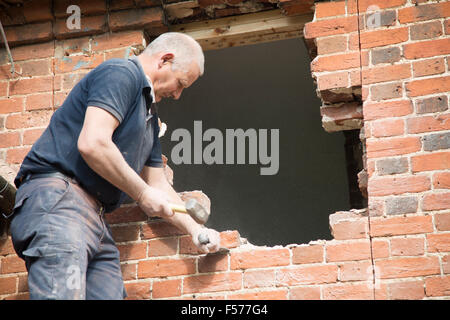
(391, 81)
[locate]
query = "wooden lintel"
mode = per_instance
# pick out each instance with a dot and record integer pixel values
(245, 29)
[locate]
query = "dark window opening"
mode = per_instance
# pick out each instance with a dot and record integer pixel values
(265, 86)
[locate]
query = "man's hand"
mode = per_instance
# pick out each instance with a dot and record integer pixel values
(214, 240)
(155, 203)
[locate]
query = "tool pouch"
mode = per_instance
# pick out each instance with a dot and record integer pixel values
(7, 199)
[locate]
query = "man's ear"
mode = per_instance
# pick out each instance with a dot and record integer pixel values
(167, 57)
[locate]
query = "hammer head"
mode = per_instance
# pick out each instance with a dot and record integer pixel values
(197, 211)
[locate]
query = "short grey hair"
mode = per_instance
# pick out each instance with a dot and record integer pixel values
(185, 48)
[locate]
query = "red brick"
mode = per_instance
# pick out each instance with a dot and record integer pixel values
(431, 161)
(336, 62)
(385, 91)
(407, 290)
(187, 246)
(34, 85)
(347, 251)
(28, 120)
(35, 68)
(373, 111)
(306, 275)
(439, 242)
(441, 180)
(407, 246)
(305, 293)
(135, 18)
(3, 88)
(36, 32)
(166, 288)
(159, 228)
(89, 26)
(344, 230)
(10, 105)
(338, 113)
(230, 239)
(425, 49)
(39, 101)
(429, 123)
(387, 128)
(26, 52)
(356, 271)
(259, 279)
(87, 7)
(446, 263)
(395, 226)
(398, 185)
(379, 38)
(332, 80)
(138, 290)
(117, 40)
(7, 247)
(259, 258)
(212, 283)
(125, 233)
(428, 67)
(331, 44)
(133, 251)
(213, 263)
(428, 86)
(68, 47)
(12, 264)
(392, 146)
(386, 73)
(74, 63)
(329, 9)
(162, 247)
(290, 7)
(426, 30)
(165, 267)
(442, 221)
(424, 12)
(16, 155)
(280, 294)
(351, 291)
(8, 285)
(330, 27)
(307, 254)
(438, 201)
(408, 267)
(129, 271)
(9, 139)
(362, 5)
(380, 249)
(437, 286)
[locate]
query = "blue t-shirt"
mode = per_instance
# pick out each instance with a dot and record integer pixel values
(120, 87)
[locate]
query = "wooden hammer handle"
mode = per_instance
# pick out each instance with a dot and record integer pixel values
(178, 208)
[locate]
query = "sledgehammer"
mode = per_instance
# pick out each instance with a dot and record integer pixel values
(197, 212)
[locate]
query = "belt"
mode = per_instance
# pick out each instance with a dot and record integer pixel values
(62, 176)
(55, 174)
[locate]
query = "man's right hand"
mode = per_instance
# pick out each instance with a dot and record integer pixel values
(155, 203)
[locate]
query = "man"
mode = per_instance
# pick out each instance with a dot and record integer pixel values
(101, 145)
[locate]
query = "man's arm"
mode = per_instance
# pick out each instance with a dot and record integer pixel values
(156, 178)
(102, 155)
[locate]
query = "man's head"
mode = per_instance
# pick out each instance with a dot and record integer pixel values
(173, 61)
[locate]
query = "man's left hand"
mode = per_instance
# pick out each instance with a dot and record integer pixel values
(214, 240)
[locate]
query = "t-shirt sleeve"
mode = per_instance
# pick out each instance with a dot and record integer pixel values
(114, 89)
(155, 158)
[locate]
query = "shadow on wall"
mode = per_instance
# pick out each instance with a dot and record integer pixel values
(263, 86)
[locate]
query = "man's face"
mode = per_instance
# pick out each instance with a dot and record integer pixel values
(170, 83)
